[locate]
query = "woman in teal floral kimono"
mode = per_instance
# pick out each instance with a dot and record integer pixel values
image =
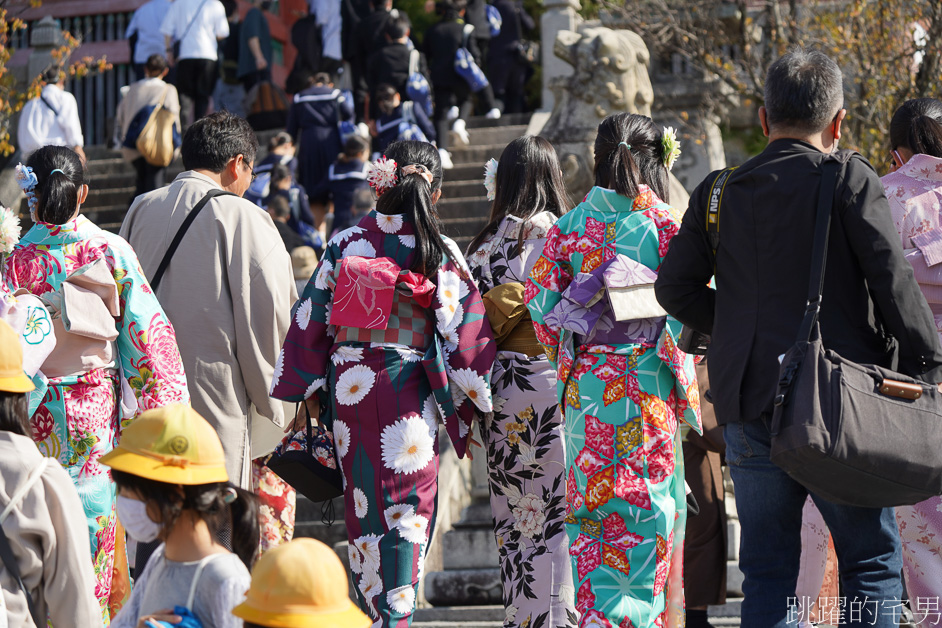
(623, 383)
(390, 336)
(115, 349)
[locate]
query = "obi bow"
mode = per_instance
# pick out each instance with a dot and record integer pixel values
(364, 290)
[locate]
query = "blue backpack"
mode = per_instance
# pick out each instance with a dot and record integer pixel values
(466, 67)
(417, 87)
(408, 128)
(494, 20)
(259, 188)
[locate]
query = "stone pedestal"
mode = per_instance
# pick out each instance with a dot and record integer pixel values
(560, 15)
(469, 573)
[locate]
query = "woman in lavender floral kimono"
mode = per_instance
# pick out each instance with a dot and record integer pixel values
(523, 437)
(115, 349)
(914, 189)
(623, 383)
(390, 334)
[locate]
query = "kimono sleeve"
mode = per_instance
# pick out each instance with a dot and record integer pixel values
(467, 350)
(302, 366)
(147, 343)
(545, 284)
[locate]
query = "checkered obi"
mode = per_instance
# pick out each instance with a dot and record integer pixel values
(375, 301)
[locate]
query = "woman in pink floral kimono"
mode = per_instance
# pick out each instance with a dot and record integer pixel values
(625, 388)
(914, 190)
(115, 349)
(391, 338)
(524, 436)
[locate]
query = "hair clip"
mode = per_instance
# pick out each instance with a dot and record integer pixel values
(27, 180)
(490, 178)
(382, 176)
(625, 144)
(229, 495)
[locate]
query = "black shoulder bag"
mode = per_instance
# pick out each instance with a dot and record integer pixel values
(162, 267)
(854, 434)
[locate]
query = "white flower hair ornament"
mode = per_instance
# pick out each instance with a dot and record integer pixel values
(382, 176)
(670, 147)
(27, 180)
(9, 230)
(490, 178)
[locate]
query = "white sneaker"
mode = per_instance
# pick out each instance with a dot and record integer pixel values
(459, 128)
(446, 159)
(493, 114)
(453, 113)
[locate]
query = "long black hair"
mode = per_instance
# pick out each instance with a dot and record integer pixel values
(529, 181)
(208, 501)
(56, 193)
(412, 195)
(14, 413)
(917, 125)
(623, 169)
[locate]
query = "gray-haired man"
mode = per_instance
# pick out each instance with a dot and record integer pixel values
(762, 267)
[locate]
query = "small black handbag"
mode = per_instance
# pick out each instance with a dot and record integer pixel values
(306, 460)
(855, 434)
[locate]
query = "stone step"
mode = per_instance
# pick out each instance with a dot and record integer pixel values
(463, 230)
(497, 135)
(476, 154)
(464, 189)
(513, 119)
(475, 206)
(108, 197)
(466, 548)
(732, 610)
(463, 586)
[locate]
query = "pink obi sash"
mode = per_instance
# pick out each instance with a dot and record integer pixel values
(363, 295)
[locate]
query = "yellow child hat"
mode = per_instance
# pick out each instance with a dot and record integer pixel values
(12, 377)
(301, 584)
(173, 444)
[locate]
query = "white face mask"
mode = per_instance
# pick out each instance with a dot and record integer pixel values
(132, 513)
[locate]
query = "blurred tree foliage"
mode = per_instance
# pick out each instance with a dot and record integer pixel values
(12, 96)
(889, 50)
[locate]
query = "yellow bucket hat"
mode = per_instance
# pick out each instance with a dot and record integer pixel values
(301, 584)
(12, 377)
(173, 444)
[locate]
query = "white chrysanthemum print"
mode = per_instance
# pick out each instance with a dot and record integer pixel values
(430, 415)
(359, 248)
(402, 599)
(320, 278)
(463, 429)
(389, 223)
(331, 329)
(279, 369)
(450, 337)
(395, 513)
(316, 385)
(354, 384)
(347, 353)
(414, 528)
(408, 355)
(361, 505)
(368, 547)
(354, 555)
(370, 586)
(474, 387)
(303, 316)
(341, 438)
(457, 396)
(450, 289)
(407, 445)
(407, 241)
(345, 235)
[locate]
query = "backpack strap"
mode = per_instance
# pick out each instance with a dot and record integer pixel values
(196, 579)
(713, 209)
(6, 552)
(162, 267)
(413, 62)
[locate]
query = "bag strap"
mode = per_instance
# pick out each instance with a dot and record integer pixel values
(413, 62)
(819, 251)
(162, 268)
(466, 35)
(713, 209)
(196, 578)
(6, 552)
(48, 104)
(195, 17)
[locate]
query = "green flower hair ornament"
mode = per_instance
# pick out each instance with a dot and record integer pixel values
(670, 147)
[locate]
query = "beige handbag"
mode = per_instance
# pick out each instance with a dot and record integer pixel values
(156, 141)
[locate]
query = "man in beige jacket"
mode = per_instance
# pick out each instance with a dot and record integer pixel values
(148, 92)
(228, 289)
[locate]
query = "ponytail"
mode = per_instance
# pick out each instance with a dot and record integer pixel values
(413, 196)
(244, 514)
(629, 153)
(60, 176)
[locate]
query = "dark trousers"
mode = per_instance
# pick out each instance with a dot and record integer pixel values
(458, 94)
(508, 75)
(148, 177)
(196, 79)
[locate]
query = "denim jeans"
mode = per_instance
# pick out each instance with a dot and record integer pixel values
(770, 504)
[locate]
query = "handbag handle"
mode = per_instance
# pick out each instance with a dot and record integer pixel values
(819, 251)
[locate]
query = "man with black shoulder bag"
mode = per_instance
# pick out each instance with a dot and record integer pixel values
(802, 246)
